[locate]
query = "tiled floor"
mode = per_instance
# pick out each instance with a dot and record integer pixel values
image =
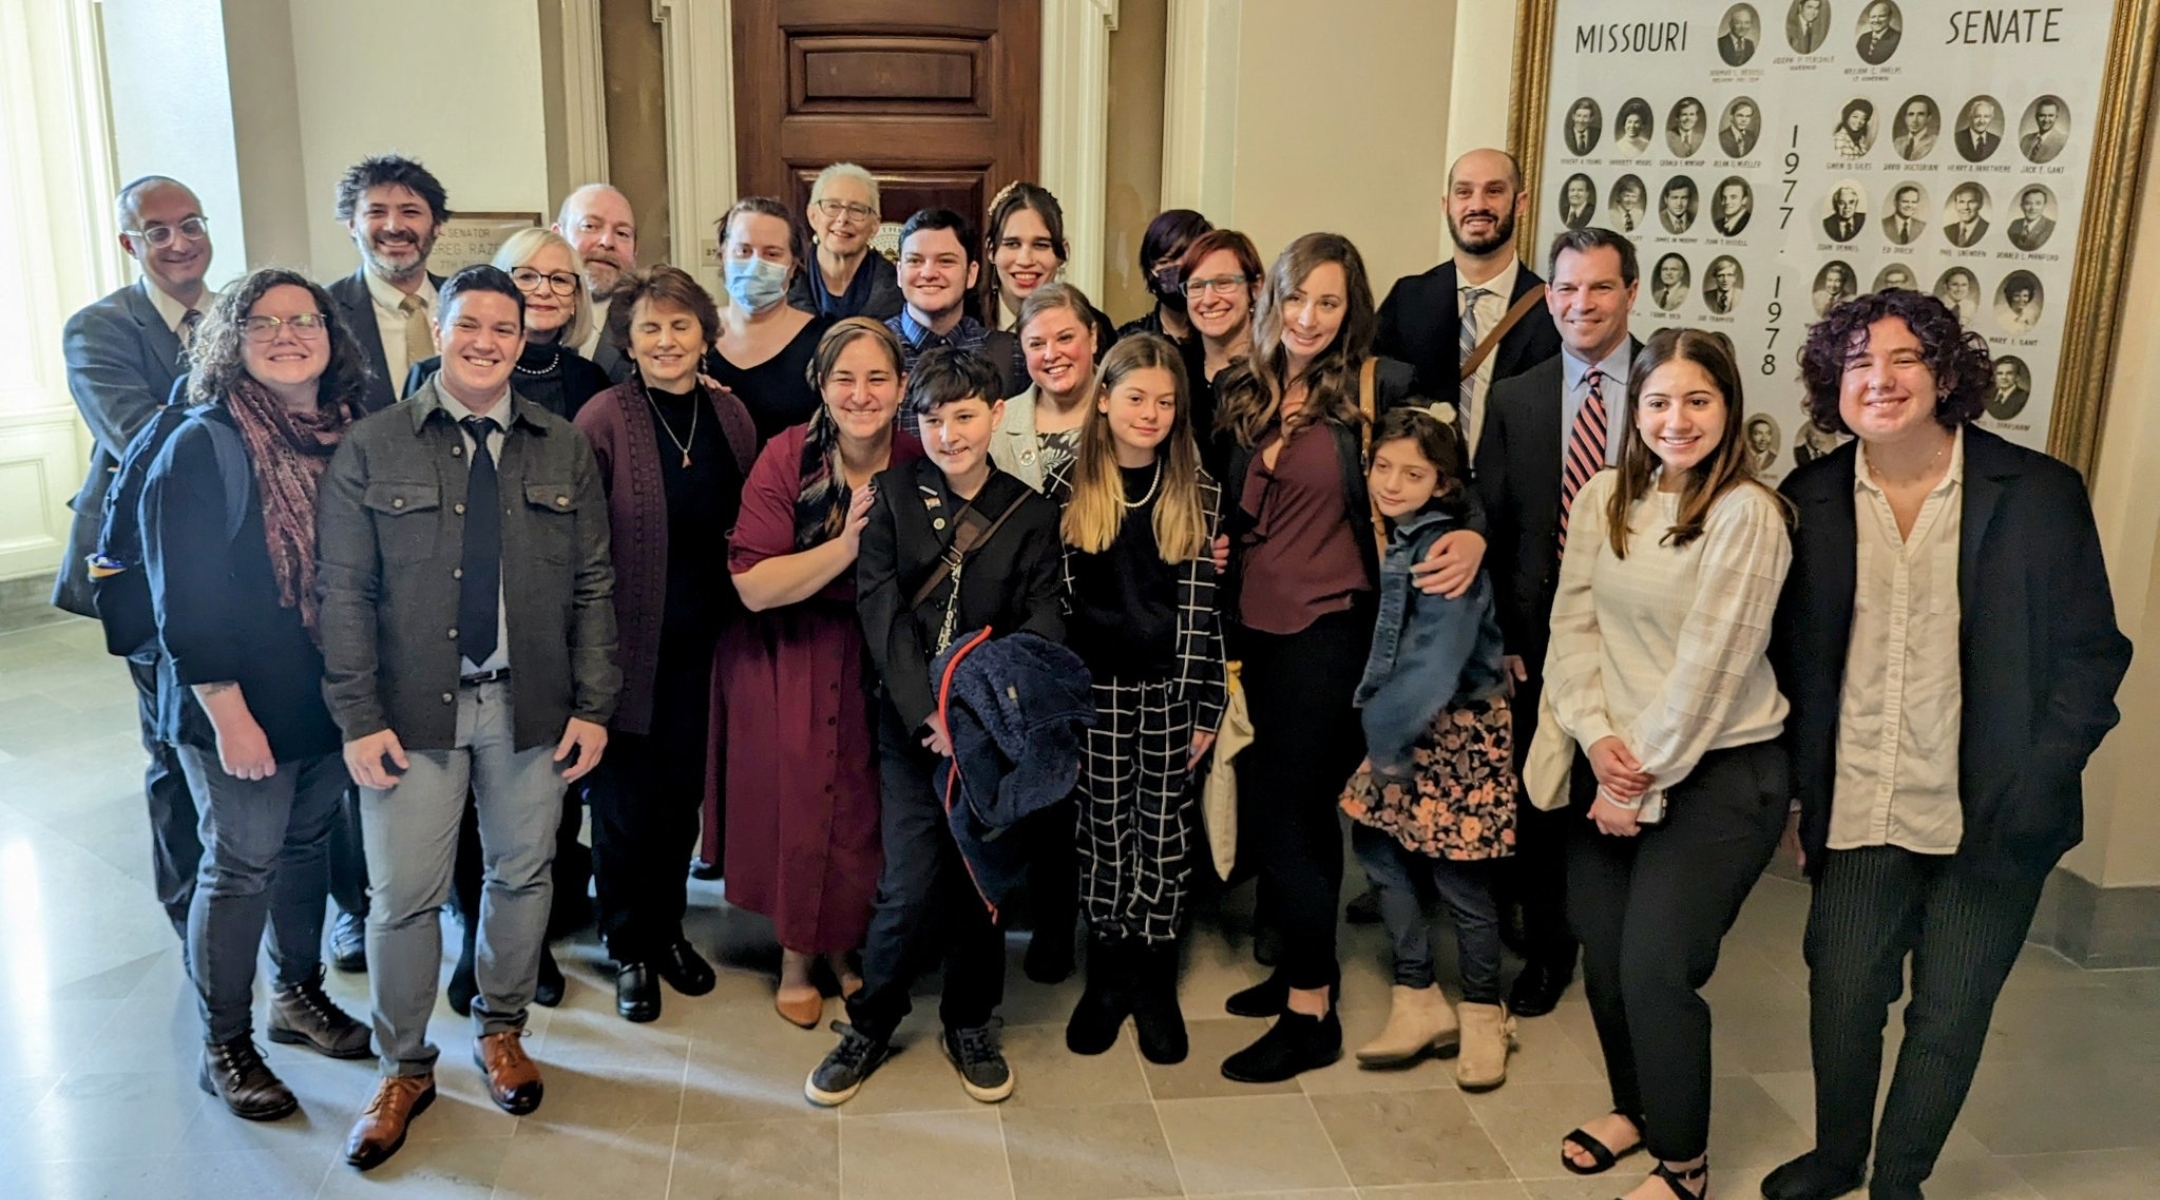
(98, 1034)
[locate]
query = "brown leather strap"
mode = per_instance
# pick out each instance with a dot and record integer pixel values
(1491, 341)
(970, 529)
(1368, 404)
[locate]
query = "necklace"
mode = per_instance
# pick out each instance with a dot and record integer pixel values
(549, 369)
(1154, 483)
(680, 443)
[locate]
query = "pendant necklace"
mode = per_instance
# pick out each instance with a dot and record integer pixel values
(680, 444)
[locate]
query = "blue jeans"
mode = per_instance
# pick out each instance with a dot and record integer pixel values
(265, 846)
(1465, 887)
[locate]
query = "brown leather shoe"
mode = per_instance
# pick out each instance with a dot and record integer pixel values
(513, 1080)
(381, 1128)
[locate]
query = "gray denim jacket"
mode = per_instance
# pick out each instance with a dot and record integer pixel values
(390, 532)
(1428, 652)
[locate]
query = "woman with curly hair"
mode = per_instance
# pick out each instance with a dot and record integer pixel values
(1948, 642)
(280, 380)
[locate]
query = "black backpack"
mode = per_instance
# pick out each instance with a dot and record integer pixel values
(119, 586)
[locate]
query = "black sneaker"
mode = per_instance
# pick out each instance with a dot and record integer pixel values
(841, 1075)
(984, 1074)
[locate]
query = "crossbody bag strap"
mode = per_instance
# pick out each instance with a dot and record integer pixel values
(1491, 341)
(1369, 404)
(970, 529)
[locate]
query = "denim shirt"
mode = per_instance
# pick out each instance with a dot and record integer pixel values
(1428, 652)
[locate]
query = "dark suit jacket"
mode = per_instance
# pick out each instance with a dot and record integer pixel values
(2028, 235)
(2003, 408)
(1980, 228)
(1973, 152)
(1805, 38)
(1735, 146)
(1875, 50)
(614, 363)
(1830, 227)
(1419, 326)
(357, 306)
(122, 363)
(2039, 654)
(1733, 52)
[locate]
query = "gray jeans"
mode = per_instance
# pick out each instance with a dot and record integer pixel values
(265, 846)
(411, 833)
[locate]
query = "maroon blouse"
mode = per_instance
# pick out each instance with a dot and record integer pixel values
(1303, 561)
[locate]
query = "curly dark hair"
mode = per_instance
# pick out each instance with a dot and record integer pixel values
(1438, 441)
(218, 358)
(1958, 357)
(390, 170)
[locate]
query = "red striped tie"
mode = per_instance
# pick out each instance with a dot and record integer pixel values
(1585, 449)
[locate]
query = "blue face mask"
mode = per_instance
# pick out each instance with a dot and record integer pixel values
(755, 283)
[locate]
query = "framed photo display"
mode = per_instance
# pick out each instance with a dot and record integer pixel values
(1772, 157)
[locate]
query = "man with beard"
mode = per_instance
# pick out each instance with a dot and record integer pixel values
(1435, 320)
(393, 208)
(598, 221)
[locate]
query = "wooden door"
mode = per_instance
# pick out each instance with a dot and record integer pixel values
(937, 98)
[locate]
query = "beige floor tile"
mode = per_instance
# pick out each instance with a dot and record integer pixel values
(1200, 1075)
(585, 1098)
(296, 1172)
(452, 1169)
(1749, 1128)
(1250, 1143)
(1092, 1152)
(924, 1156)
(2092, 1174)
(1049, 1074)
(1525, 1121)
(2049, 1108)
(589, 1039)
(1494, 1189)
(110, 1116)
(756, 1075)
(769, 1160)
(1980, 1179)
(1387, 1138)
(580, 1164)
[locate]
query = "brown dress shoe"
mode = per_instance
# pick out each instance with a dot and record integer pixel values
(381, 1129)
(513, 1080)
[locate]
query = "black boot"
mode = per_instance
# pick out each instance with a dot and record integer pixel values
(1156, 1016)
(1049, 957)
(1293, 1045)
(1106, 1000)
(548, 991)
(464, 983)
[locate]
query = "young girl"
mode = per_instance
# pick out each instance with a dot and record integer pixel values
(1140, 515)
(1436, 794)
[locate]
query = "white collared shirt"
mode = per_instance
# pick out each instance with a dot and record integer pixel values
(500, 415)
(1899, 709)
(1491, 310)
(390, 321)
(170, 308)
(1575, 390)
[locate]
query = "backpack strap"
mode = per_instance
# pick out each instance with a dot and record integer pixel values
(1491, 341)
(1368, 404)
(233, 470)
(971, 528)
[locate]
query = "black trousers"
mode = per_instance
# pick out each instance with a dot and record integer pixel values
(175, 839)
(1651, 911)
(645, 810)
(1534, 880)
(1872, 907)
(1307, 742)
(926, 901)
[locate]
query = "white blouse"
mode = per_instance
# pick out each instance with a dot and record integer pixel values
(1664, 649)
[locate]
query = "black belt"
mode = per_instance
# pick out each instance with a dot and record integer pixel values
(484, 677)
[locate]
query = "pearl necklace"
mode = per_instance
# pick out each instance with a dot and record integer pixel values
(549, 369)
(1152, 485)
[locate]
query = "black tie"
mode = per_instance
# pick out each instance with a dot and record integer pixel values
(189, 323)
(480, 582)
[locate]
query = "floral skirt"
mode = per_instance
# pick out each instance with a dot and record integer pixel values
(1458, 799)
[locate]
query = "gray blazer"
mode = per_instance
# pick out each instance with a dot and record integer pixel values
(1013, 449)
(122, 363)
(357, 306)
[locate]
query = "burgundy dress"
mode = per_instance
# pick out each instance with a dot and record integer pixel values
(802, 817)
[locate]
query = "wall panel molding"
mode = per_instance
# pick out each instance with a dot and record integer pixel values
(1200, 101)
(1075, 127)
(697, 44)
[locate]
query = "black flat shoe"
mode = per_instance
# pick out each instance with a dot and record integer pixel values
(1158, 1023)
(548, 991)
(1293, 1045)
(1809, 1177)
(1269, 997)
(685, 969)
(637, 992)
(1602, 1156)
(1538, 989)
(700, 869)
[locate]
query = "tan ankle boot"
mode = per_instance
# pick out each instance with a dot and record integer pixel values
(1419, 1022)
(1488, 1033)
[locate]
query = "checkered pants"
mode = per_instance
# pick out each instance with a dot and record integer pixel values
(1137, 811)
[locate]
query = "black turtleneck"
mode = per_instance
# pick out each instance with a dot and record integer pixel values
(549, 374)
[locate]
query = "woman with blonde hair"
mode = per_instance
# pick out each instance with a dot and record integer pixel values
(1058, 342)
(558, 317)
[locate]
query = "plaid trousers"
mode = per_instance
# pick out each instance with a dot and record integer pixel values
(1138, 814)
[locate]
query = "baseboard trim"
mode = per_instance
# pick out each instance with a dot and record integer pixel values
(26, 602)
(2096, 926)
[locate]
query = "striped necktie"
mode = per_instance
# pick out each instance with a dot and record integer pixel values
(1585, 448)
(1471, 295)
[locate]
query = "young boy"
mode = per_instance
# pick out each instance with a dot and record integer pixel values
(1010, 581)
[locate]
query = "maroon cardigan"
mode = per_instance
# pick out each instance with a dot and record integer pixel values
(618, 422)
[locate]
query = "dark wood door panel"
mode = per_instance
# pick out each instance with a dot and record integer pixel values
(931, 76)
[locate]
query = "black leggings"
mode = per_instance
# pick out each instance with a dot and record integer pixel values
(1307, 742)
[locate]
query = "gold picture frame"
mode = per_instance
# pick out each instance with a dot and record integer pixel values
(2105, 231)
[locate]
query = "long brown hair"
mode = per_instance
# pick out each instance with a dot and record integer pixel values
(1252, 389)
(1727, 466)
(1010, 199)
(1096, 509)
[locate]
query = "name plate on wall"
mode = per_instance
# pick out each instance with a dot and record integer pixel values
(474, 237)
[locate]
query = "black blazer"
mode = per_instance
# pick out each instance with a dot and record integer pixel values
(2039, 653)
(122, 365)
(1419, 325)
(357, 306)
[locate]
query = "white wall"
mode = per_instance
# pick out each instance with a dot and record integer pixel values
(456, 86)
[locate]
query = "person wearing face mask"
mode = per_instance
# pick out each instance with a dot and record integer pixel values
(802, 845)
(672, 457)
(845, 277)
(1162, 248)
(763, 346)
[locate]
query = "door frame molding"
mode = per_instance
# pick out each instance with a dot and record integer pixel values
(1200, 85)
(585, 153)
(697, 48)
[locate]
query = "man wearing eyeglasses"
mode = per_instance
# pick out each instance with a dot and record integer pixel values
(600, 224)
(123, 355)
(393, 208)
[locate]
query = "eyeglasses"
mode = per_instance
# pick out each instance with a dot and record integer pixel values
(159, 236)
(305, 326)
(846, 208)
(562, 283)
(1221, 285)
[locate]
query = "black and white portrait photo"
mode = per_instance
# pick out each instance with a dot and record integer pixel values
(1739, 35)
(2044, 129)
(2035, 222)
(1812, 443)
(1739, 127)
(1807, 25)
(1959, 289)
(2017, 302)
(1632, 129)
(1915, 129)
(1685, 127)
(1584, 124)
(1722, 281)
(1845, 212)
(1578, 201)
(1629, 204)
(1762, 442)
(1678, 204)
(1896, 276)
(1732, 207)
(1904, 223)
(1965, 217)
(1979, 129)
(1881, 24)
(1669, 282)
(1834, 285)
(2012, 388)
(1855, 132)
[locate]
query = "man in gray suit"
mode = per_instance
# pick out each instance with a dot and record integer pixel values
(123, 354)
(598, 221)
(394, 209)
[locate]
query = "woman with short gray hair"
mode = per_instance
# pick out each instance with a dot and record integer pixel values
(849, 278)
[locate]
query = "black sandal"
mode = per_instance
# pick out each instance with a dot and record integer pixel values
(1602, 1157)
(1678, 1180)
